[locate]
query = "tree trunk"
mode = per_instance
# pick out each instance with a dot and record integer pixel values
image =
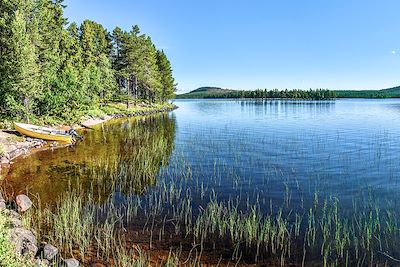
(128, 94)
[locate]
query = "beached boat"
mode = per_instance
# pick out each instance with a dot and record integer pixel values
(44, 133)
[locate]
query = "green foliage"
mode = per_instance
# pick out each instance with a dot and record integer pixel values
(167, 80)
(55, 71)
(7, 255)
(210, 92)
(385, 93)
(141, 69)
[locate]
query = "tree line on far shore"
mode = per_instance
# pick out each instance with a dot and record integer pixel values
(49, 67)
(317, 94)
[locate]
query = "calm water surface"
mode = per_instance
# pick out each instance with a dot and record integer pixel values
(344, 148)
(279, 155)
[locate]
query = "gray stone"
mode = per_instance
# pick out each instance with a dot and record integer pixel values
(23, 202)
(3, 205)
(42, 263)
(24, 240)
(15, 214)
(15, 222)
(4, 160)
(49, 252)
(71, 262)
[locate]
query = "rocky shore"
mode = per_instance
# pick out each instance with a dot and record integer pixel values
(13, 145)
(25, 248)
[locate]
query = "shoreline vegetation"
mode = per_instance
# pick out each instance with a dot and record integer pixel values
(311, 94)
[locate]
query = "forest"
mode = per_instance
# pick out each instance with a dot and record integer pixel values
(211, 92)
(50, 67)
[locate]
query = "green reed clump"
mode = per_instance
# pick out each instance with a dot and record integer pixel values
(247, 230)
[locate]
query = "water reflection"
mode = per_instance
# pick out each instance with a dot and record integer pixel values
(110, 158)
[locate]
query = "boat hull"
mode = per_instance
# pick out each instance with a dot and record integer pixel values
(25, 130)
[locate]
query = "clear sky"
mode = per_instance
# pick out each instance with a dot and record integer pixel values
(249, 44)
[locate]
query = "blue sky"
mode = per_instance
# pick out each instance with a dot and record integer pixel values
(249, 44)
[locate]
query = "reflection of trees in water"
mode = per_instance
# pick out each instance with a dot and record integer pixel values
(292, 106)
(122, 155)
(145, 146)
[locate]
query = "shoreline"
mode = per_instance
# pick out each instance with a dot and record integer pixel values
(14, 145)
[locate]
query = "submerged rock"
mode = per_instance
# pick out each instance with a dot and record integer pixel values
(49, 252)
(71, 262)
(24, 240)
(23, 202)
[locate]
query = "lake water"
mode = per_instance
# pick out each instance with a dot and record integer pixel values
(272, 156)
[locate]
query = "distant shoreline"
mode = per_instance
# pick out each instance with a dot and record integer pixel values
(295, 94)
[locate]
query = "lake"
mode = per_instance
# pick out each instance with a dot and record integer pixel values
(249, 181)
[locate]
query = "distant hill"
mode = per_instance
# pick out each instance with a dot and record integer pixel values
(393, 92)
(205, 92)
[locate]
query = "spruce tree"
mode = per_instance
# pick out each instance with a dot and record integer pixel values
(23, 66)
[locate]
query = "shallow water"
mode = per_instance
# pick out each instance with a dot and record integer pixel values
(279, 155)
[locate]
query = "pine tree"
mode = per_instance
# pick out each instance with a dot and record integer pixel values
(167, 80)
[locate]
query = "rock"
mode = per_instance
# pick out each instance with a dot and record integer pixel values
(23, 202)
(15, 222)
(4, 160)
(71, 262)
(15, 214)
(24, 240)
(42, 262)
(2, 198)
(49, 252)
(2, 205)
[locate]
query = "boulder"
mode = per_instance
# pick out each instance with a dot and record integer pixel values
(2, 205)
(49, 252)
(71, 262)
(24, 240)
(23, 203)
